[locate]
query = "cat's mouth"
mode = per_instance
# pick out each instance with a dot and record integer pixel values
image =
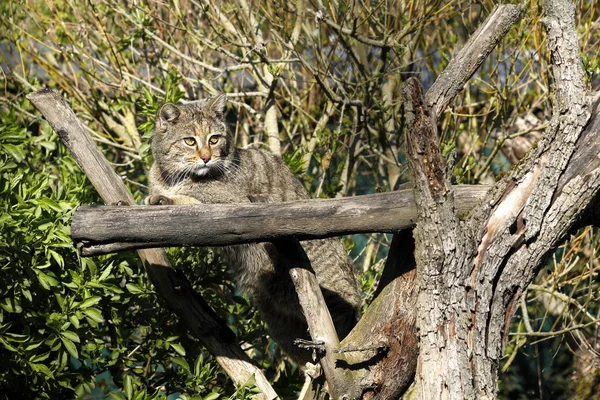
(201, 169)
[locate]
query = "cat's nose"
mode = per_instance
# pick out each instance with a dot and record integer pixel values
(205, 158)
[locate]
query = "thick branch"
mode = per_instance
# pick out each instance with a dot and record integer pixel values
(173, 287)
(393, 308)
(102, 229)
(530, 212)
(385, 340)
(563, 44)
(470, 57)
(438, 246)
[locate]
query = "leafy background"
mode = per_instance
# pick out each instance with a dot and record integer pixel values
(316, 81)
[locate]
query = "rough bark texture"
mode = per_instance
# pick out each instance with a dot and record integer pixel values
(172, 286)
(471, 274)
(531, 212)
(104, 229)
(385, 339)
(438, 248)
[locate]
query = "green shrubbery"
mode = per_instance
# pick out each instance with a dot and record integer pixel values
(74, 326)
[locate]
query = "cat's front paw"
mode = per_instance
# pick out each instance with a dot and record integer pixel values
(158, 200)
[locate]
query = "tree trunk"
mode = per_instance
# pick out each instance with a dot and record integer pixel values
(471, 274)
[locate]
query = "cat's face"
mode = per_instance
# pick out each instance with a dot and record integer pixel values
(192, 140)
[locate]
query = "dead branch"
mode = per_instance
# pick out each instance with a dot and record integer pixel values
(465, 62)
(320, 324)
(100, 230)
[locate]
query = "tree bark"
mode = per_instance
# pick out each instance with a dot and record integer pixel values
(172, 286)
(471, 274)
(438, 248)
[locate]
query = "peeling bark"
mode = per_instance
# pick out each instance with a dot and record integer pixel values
(469, 283)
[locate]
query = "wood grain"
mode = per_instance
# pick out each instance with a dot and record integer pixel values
(104, 229)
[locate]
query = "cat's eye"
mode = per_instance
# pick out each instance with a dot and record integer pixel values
(190, 141)
(213, 140)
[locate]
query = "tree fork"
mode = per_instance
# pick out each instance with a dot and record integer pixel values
(475, 279)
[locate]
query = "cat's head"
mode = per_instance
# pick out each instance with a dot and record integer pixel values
(192, 140)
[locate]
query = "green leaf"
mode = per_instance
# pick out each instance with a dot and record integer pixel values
(42, 368)
(92, 301)
(16, 152)
(74, 320)
(212, 396)
(71, 336)
(27, 294)
(182, 363)
(39, 357)
(45, 280)
(58, 258)
(33, 346)
(11, 305)
(94, 314)
(106, 272)
(178, 348)
(134, 289)
(198, 364)
(128, 386)
(50, 204)
(7, 345)
(70, 347)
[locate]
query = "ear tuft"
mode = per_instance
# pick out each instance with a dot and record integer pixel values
(217, 105)
(169, 112)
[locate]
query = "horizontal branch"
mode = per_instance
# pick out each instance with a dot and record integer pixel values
(104, 229)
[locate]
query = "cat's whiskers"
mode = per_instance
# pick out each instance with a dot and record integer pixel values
(229, 167)
(176, 175)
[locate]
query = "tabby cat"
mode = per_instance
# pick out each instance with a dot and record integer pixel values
(196, 161)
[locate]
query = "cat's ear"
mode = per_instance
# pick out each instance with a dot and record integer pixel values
(217, 105)
(169, 113)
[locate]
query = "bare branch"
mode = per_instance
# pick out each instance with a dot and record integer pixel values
(470, 57)
(101, 229)
(318, 318)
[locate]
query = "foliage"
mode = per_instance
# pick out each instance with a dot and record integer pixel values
(330, 71)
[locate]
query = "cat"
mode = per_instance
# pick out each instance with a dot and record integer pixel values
(197, 161)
